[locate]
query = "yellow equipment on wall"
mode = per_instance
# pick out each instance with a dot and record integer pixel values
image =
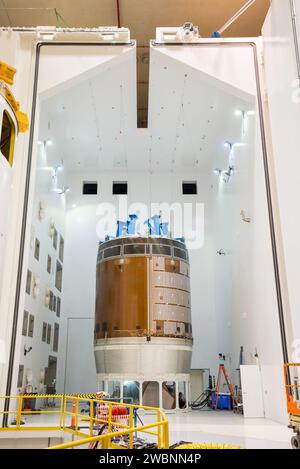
(7, 74)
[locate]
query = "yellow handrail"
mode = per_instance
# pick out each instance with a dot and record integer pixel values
(105, 416)
(109, 436)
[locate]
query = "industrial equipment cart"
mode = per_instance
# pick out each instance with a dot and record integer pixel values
(292, 388)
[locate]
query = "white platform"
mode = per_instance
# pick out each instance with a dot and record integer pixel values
(226, 427)
(194, 426)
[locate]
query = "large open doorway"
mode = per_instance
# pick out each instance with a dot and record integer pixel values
(203, 149)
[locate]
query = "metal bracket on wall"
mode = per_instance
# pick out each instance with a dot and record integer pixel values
(46, 33)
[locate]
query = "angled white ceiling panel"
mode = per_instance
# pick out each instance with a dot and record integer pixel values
(191, 114)
(230, 67)
(64, 66)
(91, 116)
(89, 109)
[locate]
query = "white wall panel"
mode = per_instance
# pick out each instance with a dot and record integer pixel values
(60, 73)
(15, 51)
(80, 372)
(284, 104)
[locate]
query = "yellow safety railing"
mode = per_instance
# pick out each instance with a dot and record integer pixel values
(102, 412)
(106, 440)
(21, 410)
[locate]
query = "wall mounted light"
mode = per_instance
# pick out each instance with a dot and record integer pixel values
(228, 173)
(217, 171)
(36, 287)
(239, 113)
(228, 144)
(57, 169)
(224, 174)
(45, 142)
(62, 191)
(47, 297)
(41, 210)
(231, 161)
(65, 189)
(27, 350)
(243, 114)
(51, 229)
(244, 217)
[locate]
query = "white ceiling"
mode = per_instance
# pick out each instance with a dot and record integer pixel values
(93, 125)
(141, 17)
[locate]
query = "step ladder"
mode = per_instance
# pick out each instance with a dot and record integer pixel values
(222, 369)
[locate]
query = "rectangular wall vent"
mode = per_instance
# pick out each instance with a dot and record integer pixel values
(90, 188)
(120, 188)
(189, 188)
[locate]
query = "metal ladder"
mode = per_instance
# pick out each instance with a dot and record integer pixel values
(222, 369)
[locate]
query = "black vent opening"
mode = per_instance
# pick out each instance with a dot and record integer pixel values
(119, 188)
(90, 188)
(189, 188)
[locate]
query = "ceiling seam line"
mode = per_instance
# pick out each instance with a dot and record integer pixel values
(6, 12)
